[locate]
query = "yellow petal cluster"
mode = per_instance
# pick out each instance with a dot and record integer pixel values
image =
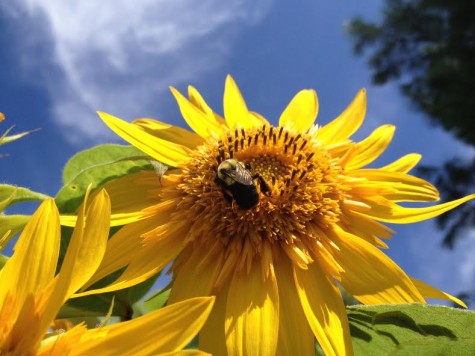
(32, 293)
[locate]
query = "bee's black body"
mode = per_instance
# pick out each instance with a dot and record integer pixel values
(237, 183)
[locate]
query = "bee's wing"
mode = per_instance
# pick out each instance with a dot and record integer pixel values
(241, 175)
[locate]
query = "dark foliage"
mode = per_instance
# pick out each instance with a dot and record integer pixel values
(428, 46)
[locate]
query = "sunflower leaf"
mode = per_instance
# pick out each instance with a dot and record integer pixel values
(93, 306)
(97, 165)
(137, 292)
(3, 260)
(411, 329)
(10, 194)
(12, 224)
(99, 304)
(157, 300)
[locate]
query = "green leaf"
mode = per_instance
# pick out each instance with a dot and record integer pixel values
(94, 306)
(411, 329)
(10, 194)
(3, 260)
(12, 223)
(157, 300)
(99, 304)
(137, 292)
(96, 166)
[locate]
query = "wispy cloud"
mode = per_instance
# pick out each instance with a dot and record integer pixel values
(122, 55)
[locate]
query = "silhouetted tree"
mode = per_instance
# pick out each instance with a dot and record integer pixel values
(428, 46)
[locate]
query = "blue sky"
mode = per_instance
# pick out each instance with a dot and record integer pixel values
(62, 61)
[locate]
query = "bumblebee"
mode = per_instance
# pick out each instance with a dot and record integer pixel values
(237, 182)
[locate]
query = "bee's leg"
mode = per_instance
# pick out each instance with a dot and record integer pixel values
(262, 184)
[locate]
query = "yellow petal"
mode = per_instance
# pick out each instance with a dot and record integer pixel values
(165, 330)
(259, 119)
(403, 164)
(252, 314)
(394, 186)
(196, 276)
(323, 306)
(371, 147)
(235, 108)
(166, 152)
(146, 186)
(88, 243)
(386, 211)
(83, 256)
(201, 123)
(33, 264)
(295, 335)
(369, 275)
(189, 352)
(118, 251)
(340, 129)
(24, 333)
(150, 260)
(428, 291)
(118, 219)
(212, 338)
(367, 228)
(62, 344)
(169, 132)
(197, 100)
(301, 112)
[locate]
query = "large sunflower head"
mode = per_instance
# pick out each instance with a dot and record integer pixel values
(271, 219)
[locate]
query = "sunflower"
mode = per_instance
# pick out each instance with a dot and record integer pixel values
(313, 221)
(31, 294)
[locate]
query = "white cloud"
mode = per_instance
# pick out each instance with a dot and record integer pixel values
(122, 55)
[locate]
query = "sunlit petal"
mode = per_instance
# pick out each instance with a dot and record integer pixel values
(151, 261)
(295, 335)
(323, 306)
(33, 265)
(197, 100)
(169, 132)
(88, 243)
(166, 152)
(252, 314)
(82, 257)
(171, 328)
(396, 214)
(301, 112)
(428, 291)
(118, 252)
(349, 121)
(371, 276)
(212, 338)
(235, 108)
(201, 123)
(366, 151)
(197, 275)
(403, 164)
(392, 185)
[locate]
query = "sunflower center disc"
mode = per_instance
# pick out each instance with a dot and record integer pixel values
(304, 186)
